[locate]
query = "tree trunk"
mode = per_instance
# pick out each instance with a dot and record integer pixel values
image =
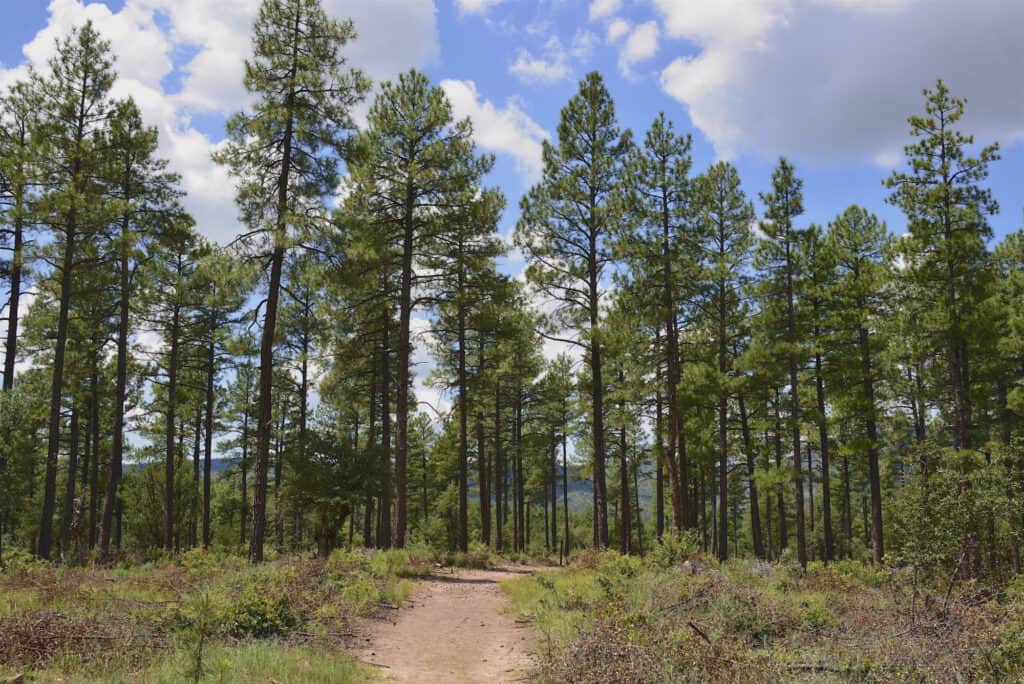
(597, 398)
(483, 481)
(794, 411)
(384, 505)
(172, 401)
(826, 468)
(69, 489)
(404, 351)
(565, 484)
(625, 507)
(211, 374)
(265, 420)
(57, 389)
(755, 512)
(194, 514)
(780, 497)
(874, 475)
(244, 465)
(94, 461)
(463, 421)
(499, 473)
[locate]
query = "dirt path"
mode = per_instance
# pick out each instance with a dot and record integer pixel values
(453, 629)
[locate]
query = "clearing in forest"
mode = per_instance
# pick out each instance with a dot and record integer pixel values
(455, 628)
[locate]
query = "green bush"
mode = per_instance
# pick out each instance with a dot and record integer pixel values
(673, 550)
(260, 614)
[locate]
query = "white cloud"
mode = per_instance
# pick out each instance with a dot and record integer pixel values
(617, 28)
(507, 130)
(555, 63)
(393, 35)
(551, 68)
(834, 80)
(604, 8)
(583, 44)
(641, 45)
(476, 6)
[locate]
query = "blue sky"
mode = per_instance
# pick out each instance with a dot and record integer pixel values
(828, 83)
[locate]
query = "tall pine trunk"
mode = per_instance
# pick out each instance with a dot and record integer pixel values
(265, 420)
(172, 401)
(120, 396)
(404, 352)
(826, 468)
(57, 389)
(755, 509)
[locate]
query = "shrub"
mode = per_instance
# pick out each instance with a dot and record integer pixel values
(360, 597)
(673, 550)
(259, 614)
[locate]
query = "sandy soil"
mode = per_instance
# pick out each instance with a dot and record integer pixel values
(453, 629)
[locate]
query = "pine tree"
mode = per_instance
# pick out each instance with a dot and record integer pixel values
(857, 242)
(725, 218)
(146, 195)
(660, 251)
(819, 267)
(285, 156)
(947, 209)
(73, 105)
(463, 259)
(415, 168)
(565, 232)
(776, 258)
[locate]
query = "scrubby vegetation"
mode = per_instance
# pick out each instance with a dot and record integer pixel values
(612, 618)
(199, 616)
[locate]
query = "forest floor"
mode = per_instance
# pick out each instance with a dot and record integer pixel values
(455, 627)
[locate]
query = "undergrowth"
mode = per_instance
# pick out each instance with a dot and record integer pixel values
(198, 616)
(681, 617)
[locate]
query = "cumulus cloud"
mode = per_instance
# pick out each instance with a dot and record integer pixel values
(508, 130)
(641, 45)
(552, 67)
(604, 8)
(147, 35)
(834, 80)
(555, 63)
(617, 28)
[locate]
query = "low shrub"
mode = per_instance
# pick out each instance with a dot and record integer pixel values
(260, 613)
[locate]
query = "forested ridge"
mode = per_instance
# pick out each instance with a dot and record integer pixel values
(794, 393)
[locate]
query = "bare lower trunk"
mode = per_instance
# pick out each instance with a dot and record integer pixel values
(57, 394)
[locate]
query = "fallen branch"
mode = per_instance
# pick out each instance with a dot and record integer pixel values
(952, 582)
(700, 632)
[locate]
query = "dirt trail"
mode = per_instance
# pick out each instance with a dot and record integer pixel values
(453, 629)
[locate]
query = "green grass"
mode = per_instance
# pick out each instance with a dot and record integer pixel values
(254, 661)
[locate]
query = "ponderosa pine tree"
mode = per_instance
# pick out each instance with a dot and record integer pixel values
(462, 261)
(146, 197)
(947, 210)
(284, 155)
(414, 170)
(776, 259)
(18, 180)
(819, 267)
(725, 216)
(73, 105)
(660, 251)
(857, 243)
(565, 232)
